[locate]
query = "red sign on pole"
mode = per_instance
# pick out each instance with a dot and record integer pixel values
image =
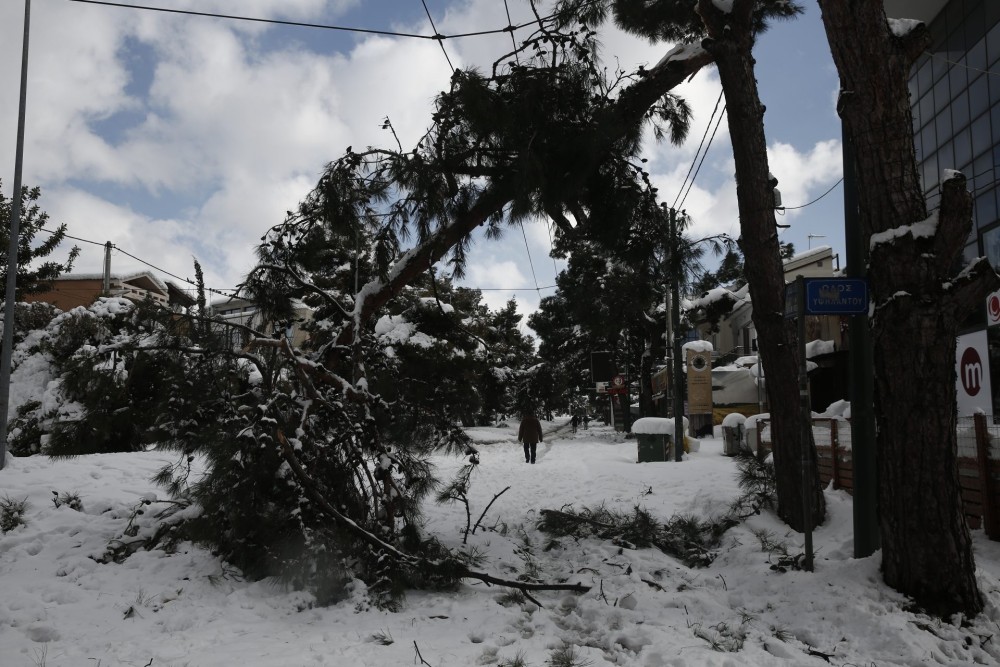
(617, 385)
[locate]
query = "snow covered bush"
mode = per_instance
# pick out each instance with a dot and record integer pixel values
(98, 388)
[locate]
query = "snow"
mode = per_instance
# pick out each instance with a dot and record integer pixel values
(733, 419)
(837, 410)
(923, 229)
(396, 329)
(681, 52)
(655, 426)
(816, 348)
(431, 302)
(903, 27)
(62, 608)
(712, 296)
(702, 346)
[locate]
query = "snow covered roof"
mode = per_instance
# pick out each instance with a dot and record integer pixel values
(137, 278)
(808, 256)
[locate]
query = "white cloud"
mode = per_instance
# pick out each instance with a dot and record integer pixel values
(799, 174)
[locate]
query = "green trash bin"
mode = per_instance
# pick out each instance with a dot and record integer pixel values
(652, 447)
(653, 435)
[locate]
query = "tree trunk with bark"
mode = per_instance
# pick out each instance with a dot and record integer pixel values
(730, 42)
(920, 299)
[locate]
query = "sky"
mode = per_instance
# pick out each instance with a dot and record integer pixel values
(179, 137)
(62, 608)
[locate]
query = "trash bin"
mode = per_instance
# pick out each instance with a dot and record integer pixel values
(732, 433)
(654, 436)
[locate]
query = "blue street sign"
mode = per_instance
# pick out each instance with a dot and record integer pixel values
(836, 296)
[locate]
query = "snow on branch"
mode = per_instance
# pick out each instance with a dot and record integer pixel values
(902, 28)
(680, 53)
(926, 228)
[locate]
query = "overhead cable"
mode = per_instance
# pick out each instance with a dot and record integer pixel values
(322, 26)
(698, 151)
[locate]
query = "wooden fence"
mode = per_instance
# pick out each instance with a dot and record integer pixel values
(978, 464)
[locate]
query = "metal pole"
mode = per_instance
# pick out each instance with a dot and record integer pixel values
(15, 231)
(862, 383)
(806, 420)
(675, 315)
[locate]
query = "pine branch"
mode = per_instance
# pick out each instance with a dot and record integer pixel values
(402, 557)
(483, 515)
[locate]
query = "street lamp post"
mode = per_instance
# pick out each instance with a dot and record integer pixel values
(15, 230)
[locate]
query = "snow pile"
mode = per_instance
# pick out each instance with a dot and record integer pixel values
(837, 410)
(816, 348)
(733, 419)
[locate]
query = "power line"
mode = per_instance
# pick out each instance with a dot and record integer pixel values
(513, 289)
(792, 208)
(528, 252)
(703, 156)
(437, 34)
(698, 151)
(513, 42)
(234, 290)
(958, 64)
(140, 260)
(322, 26)
(555, 270)
(75, 238)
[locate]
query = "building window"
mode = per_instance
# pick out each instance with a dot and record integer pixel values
(991, 246)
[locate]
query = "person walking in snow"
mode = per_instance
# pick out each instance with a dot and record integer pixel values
(586, 420)
(576, 422)
(529, 434)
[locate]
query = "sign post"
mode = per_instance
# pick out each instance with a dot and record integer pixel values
(817, 296)
(806, 424)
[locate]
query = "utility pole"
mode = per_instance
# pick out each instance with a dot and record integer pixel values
(15, 232)
(675, 315)
(106, 287)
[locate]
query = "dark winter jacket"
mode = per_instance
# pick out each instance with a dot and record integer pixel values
(530, 431)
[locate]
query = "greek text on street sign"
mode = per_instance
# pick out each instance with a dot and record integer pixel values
(836, 296)
(830, 296)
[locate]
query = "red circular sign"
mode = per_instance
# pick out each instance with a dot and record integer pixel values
(970, 371)
(993, 305)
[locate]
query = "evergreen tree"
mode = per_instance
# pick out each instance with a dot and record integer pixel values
(327, 445)
(33, 275)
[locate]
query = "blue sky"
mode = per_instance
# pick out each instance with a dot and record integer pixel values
(177, 136)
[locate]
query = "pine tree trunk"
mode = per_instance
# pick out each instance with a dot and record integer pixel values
(919, 300)
(731, 43)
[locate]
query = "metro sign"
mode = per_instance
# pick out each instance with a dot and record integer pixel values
(970, 369)
(972, 373)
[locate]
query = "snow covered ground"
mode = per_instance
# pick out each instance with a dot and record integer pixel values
(61, 608)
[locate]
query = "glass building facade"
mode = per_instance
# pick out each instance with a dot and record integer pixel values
(955, 96)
